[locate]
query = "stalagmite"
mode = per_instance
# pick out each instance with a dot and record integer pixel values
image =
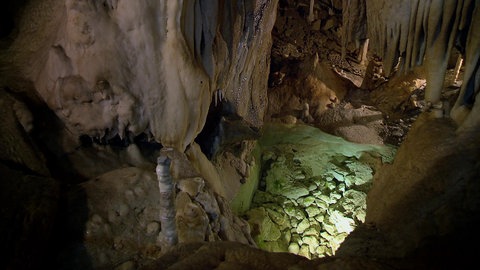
(168, 234)
(458, 66)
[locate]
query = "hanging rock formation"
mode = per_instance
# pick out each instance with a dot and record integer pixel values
(423, 32)
(113, 67)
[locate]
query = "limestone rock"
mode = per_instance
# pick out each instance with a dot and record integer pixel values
(294, 192)
(304, 251)
(302, 226)
(192, 186)
(342, 223)
(192, 223)
(268, 231)
(279, 218)
(107, 69)
(312, 211)
(359, 134)
(293, 248)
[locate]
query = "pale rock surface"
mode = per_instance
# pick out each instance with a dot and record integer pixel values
(110, 68)
(423, 33)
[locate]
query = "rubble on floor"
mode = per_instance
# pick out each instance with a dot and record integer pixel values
(308, 203)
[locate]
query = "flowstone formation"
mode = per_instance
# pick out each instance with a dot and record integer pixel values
(307, 203)
(107, 75)
(113, 68)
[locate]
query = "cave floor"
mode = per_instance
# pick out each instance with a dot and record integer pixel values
(307, 203)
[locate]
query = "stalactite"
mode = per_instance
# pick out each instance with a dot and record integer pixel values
(443, 18)
(422, 32)
(354, 23)
(168, 234)
(466, 111)
(362, 55)
(311, 16)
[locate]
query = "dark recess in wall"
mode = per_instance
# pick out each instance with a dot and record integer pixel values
(209, 138)
(8, 16)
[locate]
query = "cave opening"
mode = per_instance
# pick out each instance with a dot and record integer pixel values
(209, 139)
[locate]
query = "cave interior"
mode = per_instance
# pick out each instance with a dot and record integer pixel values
(243, 134)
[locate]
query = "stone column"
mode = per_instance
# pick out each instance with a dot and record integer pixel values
(168, 235)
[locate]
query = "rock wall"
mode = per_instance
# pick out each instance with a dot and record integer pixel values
(430, 192)
(122, 68)
(28, 193)
(426, 202)
(118, 67)
(115, 218)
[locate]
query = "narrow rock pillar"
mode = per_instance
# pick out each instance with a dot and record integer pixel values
(168, 234)
(458, 66)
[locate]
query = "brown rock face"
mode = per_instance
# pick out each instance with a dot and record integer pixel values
(429, 187)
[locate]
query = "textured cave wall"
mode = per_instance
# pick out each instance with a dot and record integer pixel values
(108, 68)
(354, 27)
(28, 193)
(243, 56)
(428, 198)
(119, 67)
(423, 33)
